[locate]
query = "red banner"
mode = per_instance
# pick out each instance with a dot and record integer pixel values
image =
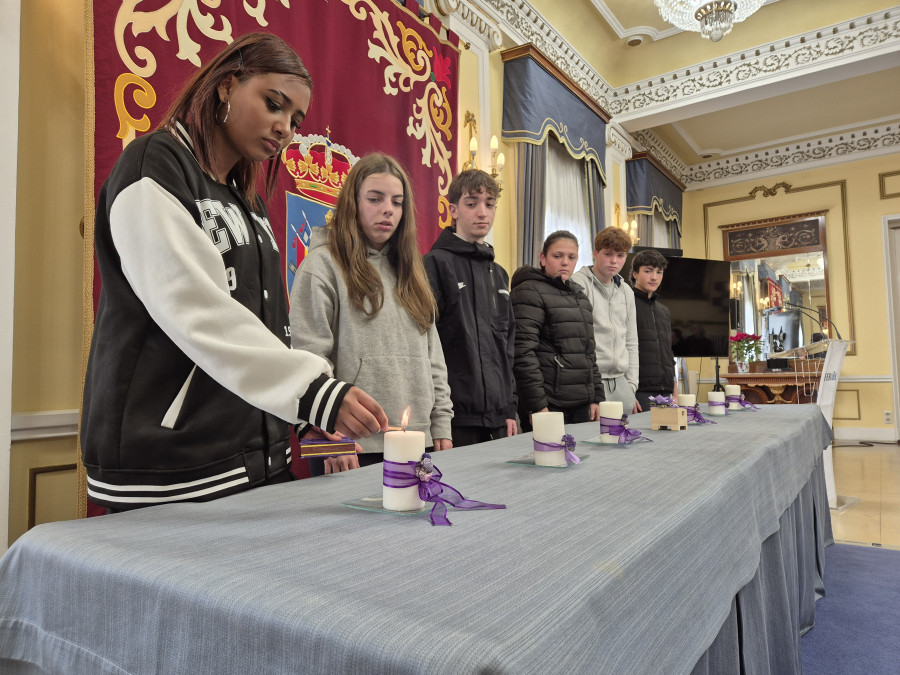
(383, 80)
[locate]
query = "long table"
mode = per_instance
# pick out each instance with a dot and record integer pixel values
(660, 557)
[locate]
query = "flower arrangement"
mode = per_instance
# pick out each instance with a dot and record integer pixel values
(745, 347)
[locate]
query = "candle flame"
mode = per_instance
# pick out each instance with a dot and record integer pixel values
(404, 419)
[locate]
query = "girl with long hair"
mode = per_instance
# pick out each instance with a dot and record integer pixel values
(361, 299)
(191, 384)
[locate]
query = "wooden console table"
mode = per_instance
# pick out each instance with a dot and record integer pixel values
(788, 386)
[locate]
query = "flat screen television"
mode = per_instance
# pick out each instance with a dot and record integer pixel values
(696, 291)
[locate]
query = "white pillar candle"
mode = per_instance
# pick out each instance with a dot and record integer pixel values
(613, 410)
(403, 446)
(549, 427)
(718, 396)
(687, 400)
(733, 390)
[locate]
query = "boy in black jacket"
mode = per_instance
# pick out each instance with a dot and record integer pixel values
(654, 326)
(475, 319)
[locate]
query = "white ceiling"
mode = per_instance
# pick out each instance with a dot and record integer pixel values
(805, 107)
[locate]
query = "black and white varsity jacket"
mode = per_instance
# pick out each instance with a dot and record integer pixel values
(191, 383)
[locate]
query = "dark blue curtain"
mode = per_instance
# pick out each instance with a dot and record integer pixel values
(537, 102)
(649, 190)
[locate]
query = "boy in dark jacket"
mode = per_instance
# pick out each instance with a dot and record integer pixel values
(475, 319)
(654, 327)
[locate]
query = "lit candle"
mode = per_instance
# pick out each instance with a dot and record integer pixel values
(612, 410)
(401, 447)
(494, 144)
(687, 400)
(733, 390)
(473, 146)
(716, 397)
(501, 162)
(549, 427)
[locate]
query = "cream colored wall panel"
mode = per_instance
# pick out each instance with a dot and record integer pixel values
(55, 493)
(39, 491)
(48, 307)
(846, 405)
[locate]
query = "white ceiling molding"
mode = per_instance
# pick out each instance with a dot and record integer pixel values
(655, 146)
(859, 144)
(618, 139)
(866, 44)
(625, 33)
(470, 15)
(785, 141)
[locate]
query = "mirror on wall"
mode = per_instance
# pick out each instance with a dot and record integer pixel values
(779, 280)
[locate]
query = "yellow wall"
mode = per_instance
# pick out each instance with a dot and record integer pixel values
(47, 330)
(850, 193)
(48, 307)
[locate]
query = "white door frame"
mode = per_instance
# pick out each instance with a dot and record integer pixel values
(891, 234)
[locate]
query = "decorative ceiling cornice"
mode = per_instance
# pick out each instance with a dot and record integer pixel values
(663, 153)
(871, 36)
(871, 142)
(616, 139)
(473, 16)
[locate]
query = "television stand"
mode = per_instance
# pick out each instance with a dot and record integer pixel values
(718, 385)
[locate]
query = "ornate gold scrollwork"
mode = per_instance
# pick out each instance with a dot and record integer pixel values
(143, 95)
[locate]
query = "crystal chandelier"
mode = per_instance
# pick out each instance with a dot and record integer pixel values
(713, 20)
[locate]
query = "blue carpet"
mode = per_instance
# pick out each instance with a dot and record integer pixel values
(858, 621)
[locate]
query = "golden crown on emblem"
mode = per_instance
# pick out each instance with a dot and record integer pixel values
(318, 167)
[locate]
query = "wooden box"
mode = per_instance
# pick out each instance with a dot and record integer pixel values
(664, 417)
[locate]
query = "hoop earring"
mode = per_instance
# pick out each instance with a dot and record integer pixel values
(227, 111)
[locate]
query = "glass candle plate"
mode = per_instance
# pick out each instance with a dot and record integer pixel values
(598, 440)
(528, 460)
(375, 503)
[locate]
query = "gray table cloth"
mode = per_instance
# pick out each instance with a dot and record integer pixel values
(628, 562)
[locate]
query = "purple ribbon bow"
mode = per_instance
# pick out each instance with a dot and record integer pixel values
(716, 404)
(619, 427)
(431, 489)
(663, 401)
(740, 399)
(693, 415)
(567, 443)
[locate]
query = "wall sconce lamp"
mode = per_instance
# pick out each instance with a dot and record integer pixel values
(631, 228)
(498, 161)
(473, 142)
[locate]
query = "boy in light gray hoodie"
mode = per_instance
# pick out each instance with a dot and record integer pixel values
(615, 327)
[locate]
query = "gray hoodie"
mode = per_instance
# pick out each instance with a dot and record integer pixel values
(615, 327)
(386, 356)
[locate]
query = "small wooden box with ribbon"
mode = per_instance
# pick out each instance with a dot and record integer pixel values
(665, 414)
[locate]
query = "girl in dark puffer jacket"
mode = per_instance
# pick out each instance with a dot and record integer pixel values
(555, 366)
